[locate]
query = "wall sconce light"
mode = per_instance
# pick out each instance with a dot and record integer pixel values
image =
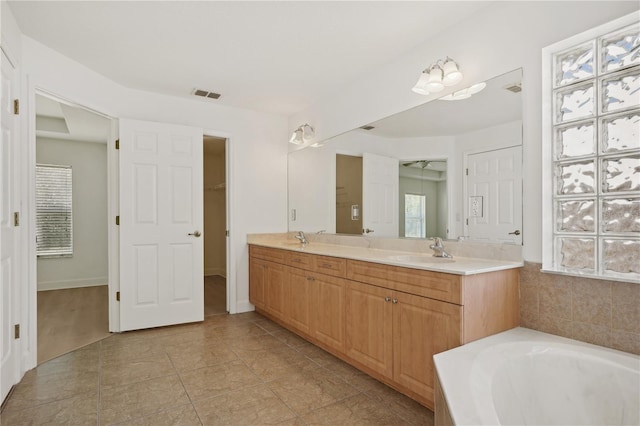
(438, 75)
(302, 134)
(464, 93)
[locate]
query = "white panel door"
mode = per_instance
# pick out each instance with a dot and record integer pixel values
(380, 189)
(161, 225)
(494, 202)
(9, 367)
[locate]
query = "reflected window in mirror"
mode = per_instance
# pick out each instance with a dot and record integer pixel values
(592, 153)
(415, 221)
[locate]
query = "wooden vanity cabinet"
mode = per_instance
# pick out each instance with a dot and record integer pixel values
(385, 320)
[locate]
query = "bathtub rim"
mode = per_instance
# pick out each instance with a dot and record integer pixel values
(454, 368)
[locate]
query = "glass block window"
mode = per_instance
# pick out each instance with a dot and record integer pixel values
(595, 120)
(54, 224)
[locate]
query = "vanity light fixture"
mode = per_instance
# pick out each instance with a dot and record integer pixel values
(464, 93)
(438, 75)
(302, 134)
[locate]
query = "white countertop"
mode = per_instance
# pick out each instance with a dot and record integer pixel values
(425, 261)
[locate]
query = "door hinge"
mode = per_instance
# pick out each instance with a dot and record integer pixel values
(118, 296)
(467, 221)
(16, 218)
(117, 143)
(16, 106)
(226, 233)
(16, 331)
(467, 172)
(117, 220)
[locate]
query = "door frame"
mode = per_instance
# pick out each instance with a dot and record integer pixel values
(30, 301)
(231, 272)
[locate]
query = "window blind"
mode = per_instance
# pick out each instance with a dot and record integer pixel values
(54, 224)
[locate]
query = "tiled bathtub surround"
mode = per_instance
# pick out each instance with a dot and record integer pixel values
(605, 313)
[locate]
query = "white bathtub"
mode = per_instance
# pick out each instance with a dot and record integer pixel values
(524, 377)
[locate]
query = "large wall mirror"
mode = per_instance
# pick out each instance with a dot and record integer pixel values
(447, 168)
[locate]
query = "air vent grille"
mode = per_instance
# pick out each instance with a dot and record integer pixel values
(515, 88)
(206, 94)
(367, 127)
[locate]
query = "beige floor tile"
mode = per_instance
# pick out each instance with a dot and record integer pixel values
(83, 360)
(289, 338)
(52, 387)
(184, 415)
(138, 370)
(256, 344)
(269, 325)
(356, 378)
(403, 406)
(356, 410)
(269, 365)
(203, 354)
(248, 406)
(127, 402)
(218, 379)
(78, 410)
(122, 349)
(316, 354)
(237, 330)
(310, 390)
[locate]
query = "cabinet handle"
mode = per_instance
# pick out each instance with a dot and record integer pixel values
(394, 301)
(296, 260)
(325, 265)
(387, 299)
(310, 279)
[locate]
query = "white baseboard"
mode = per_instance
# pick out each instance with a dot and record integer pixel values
(215, 271)
(244, 306)
(77, 283)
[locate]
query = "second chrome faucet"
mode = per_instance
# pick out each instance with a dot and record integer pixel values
(438, 248)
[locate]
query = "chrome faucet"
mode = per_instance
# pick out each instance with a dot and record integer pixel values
(438, 248)
(302, 238)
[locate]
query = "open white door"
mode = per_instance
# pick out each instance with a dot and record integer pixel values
(161, 224)
(9, 366)
(494, 202)
(380, 189)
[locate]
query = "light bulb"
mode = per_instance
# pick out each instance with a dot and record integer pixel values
(434, 84)
(296, 136)
(452, 74)
(421, 85)
(307, 133)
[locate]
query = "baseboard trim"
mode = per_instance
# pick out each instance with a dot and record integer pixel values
(82, 282)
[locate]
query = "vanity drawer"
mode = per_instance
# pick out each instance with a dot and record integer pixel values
(331, 266)
(435, 285)
(300, 260)
(267, 253)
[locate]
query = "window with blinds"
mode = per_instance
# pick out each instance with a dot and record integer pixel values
(54, 224)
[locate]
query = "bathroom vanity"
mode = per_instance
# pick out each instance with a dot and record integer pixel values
(383, 311)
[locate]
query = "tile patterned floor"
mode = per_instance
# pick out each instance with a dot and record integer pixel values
(229, 370)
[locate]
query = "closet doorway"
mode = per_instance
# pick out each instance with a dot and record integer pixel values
(71, 227)
(215, 226)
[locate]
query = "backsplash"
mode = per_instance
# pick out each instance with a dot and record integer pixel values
(605, 313)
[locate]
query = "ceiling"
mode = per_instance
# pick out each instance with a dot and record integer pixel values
(277, 57)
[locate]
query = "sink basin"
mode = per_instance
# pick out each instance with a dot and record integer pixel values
(422, 259)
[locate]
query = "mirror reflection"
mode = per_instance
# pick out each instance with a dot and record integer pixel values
(448, 168)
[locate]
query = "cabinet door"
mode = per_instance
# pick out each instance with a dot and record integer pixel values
(257, 276)
(275, 289)
(422, 327)
(298, 298)
(328, 310)
(369, 327)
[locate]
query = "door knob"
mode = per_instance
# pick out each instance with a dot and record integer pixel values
(387, 299)
(367, 230)
(516, 232)
(195, 234)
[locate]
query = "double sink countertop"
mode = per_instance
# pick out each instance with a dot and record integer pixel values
(424, 260)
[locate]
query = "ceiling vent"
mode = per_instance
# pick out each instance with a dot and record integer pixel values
(367, 127)
(205, 94)
(515, 88)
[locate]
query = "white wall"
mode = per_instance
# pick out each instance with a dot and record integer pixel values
(258, 142)
(496, 40)
(88, 266)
